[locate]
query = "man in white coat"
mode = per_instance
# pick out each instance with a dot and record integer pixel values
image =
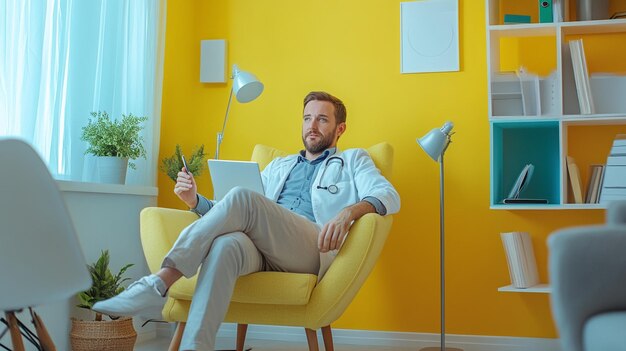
(311, 200)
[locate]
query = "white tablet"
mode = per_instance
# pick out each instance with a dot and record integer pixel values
(227, 174)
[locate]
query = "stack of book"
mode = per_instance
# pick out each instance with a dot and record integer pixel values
(520, 258)
(574, 180)
(614, 184)
(581, 76)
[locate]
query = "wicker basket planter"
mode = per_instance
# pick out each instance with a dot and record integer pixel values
(117, 335)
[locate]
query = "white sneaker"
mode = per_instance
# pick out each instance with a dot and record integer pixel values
(141, 298)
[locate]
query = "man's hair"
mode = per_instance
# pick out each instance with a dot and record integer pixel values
(340, 108)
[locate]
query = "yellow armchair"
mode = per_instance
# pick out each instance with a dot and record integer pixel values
(277, 298)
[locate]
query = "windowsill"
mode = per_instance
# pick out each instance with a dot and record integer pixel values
(83, 187)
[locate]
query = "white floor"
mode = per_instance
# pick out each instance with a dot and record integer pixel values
(161, 344)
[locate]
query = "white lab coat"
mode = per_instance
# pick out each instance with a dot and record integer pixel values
(357, 179)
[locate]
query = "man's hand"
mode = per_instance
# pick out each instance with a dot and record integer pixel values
(334, 232)
(186, 188)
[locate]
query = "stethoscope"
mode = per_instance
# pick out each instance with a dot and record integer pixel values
(331, 188)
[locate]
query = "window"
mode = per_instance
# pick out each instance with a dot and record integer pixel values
(62, 59)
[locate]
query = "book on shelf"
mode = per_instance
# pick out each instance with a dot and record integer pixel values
(574, 180)
(520, 184)
(581, 77)
(596, 173)
(520, 258)
(614, 180)
(522, 181)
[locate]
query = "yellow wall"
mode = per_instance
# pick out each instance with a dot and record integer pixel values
(351, 49)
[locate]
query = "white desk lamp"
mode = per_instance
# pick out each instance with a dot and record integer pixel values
(40, 258)
(435, 144)
(246, 88)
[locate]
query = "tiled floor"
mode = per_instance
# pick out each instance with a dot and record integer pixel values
(161, 344)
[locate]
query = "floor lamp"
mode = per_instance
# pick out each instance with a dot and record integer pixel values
(435, 144)
(246, 87)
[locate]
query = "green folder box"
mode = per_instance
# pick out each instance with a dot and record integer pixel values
(545, 11)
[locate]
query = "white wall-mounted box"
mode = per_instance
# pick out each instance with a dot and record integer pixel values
(213, 61)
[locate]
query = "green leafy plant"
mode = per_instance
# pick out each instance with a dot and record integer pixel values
(104, 285)
(120, 138)
(173, 164)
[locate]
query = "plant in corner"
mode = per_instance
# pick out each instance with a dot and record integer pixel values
(173, 164)
(101, 334)
(114, 141)
(104, 284)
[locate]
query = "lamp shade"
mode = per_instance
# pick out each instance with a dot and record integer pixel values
(436, 141)
(245, 85)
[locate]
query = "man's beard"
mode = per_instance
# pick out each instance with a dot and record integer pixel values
(322, 144)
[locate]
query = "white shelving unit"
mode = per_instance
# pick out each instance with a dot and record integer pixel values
(543, 140)
(539, 288)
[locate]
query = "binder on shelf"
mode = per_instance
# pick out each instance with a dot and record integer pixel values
(520, 258)
(546, 14)
(548, 94)
(531, 98)
(574, 180)
(581, 77)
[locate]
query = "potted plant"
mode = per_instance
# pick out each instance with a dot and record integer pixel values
(103, 334)
(114, 142)
(173, 164)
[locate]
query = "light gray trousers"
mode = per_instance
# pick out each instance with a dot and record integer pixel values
(243, 233)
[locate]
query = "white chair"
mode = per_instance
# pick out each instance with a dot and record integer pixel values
(588, 276)
(40, 257)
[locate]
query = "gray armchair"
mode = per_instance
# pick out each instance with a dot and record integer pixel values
(587, 268)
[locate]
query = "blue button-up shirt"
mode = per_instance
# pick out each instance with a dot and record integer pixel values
(296, 194)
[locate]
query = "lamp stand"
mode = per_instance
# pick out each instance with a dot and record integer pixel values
(442, 270)
(220, 135)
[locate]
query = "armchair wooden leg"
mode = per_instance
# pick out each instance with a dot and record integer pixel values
(311, 338)
(242, 329)
(327, 334)
(178, 336)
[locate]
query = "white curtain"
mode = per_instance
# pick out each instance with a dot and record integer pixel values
(62, 59)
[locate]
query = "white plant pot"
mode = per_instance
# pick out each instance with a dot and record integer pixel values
(112, 169)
